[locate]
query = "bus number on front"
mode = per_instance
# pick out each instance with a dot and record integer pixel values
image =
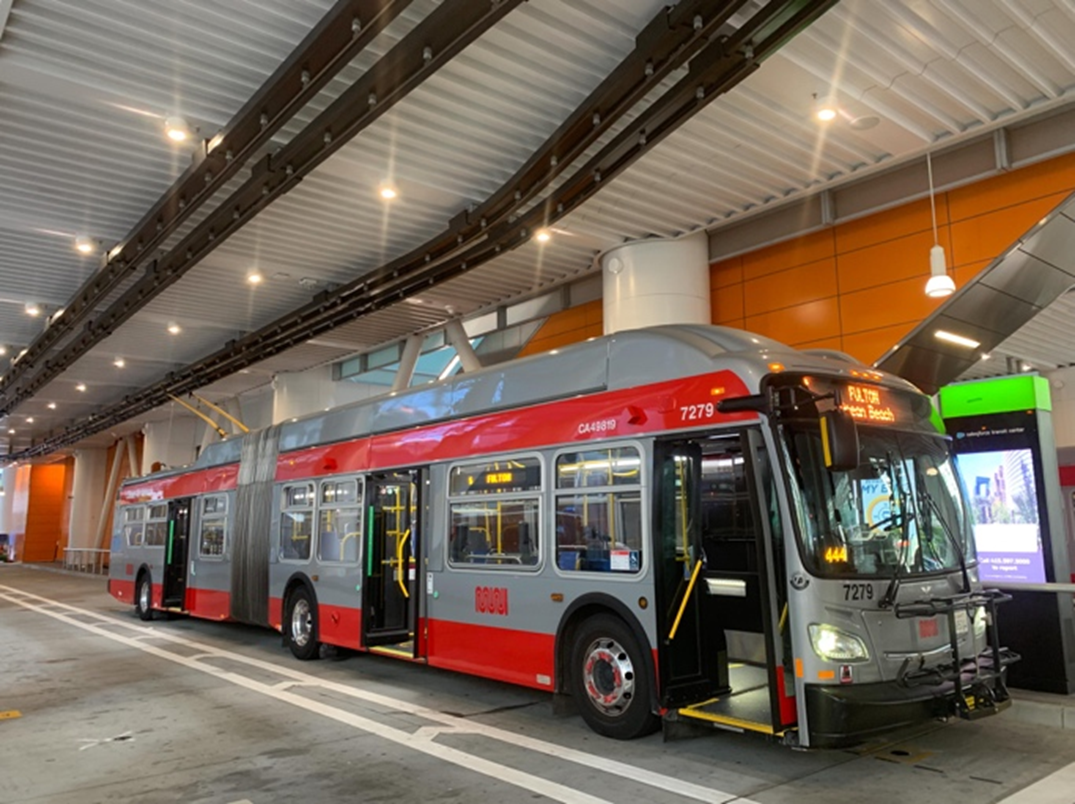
(696, 413)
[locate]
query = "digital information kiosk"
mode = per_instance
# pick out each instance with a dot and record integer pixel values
(1002, 430)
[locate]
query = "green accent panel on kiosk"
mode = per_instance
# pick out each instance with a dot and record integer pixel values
(1002, 395)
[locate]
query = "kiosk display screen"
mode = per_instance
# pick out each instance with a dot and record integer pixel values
(1004, 505)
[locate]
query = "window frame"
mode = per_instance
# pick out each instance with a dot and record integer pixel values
(620, 494)
(151, 519)
(358, 505)
(536, 496)
(311, 486)
(215, 516)
(141, 521)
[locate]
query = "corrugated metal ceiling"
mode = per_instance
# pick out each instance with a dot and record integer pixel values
(85, 88)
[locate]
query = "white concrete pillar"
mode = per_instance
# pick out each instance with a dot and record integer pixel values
(172, 443)
(8, 498)
(300, 393)
(87, 495)
(457, 337)
(653, 282)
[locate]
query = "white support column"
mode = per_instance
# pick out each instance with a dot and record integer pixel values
(171, 443)
(457, 337)
(405, 373)
(653, 282)
(6, 520)
(132, 456)
(88, 498)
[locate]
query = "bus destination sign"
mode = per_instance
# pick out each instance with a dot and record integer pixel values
(868, 403)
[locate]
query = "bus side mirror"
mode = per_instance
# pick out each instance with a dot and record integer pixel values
(839, 440)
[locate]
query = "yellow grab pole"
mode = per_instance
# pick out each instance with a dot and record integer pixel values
(686, 597)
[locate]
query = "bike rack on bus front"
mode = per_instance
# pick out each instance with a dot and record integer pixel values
(977, 682)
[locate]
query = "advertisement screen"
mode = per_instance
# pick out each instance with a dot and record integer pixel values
(1004, 506)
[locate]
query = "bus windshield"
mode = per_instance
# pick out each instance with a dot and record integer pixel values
(899, 512)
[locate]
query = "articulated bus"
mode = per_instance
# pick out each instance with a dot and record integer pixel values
(686, 524)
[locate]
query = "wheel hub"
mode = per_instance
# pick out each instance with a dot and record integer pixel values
(143, 596)
(301, 623)
(608, 677)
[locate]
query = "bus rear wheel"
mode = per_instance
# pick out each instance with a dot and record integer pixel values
(300, 625)
(609, 679)
(143, 597)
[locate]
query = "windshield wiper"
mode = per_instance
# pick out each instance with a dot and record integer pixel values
(893, 589)
(947, 529)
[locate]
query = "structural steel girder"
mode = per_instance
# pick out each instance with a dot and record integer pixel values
(340, 35)
(716, 65)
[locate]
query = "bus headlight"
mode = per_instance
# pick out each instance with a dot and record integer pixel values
(834, 645)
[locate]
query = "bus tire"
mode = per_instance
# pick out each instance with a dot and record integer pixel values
(143, 597)
(300, 625)
(609, 679)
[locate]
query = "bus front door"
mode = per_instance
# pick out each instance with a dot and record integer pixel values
(716, 497)
(390, 591)
(176, 551)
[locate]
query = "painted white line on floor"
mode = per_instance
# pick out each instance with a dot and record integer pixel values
(1056, 788)
(456, 724)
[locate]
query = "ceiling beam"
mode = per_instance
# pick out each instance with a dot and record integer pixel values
(342, 33)
(445, 32)
(715, 68)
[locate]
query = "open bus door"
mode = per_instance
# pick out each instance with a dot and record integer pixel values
(176, 551)
(717, 493)
(390, 591)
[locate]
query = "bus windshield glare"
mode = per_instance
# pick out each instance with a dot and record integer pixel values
(899, 511)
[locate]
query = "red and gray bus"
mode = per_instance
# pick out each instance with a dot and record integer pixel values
(691, 524)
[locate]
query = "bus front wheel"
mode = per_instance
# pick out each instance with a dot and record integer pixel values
(609, 679)
(300, 625)
(143, 597)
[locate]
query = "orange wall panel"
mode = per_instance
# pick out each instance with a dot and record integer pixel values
(809, 282)
(802, 323)
(895, 223)
(886, 305)
(1045, 178)
(871, 345)
(986, 236)
(799, 251)
(44, 515)
(901, 258)
(728, 304)
(726, 272)
(566, 327)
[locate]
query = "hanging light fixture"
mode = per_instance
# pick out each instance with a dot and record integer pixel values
(940, 284)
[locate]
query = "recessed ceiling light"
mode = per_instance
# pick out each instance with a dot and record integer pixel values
(825, 109)
(543, 236)
(177, 129)
(11, 430)
(254, 278)
(84, 245)
(388, 192)
(119, 362)
(51, 406)
(3, 351)
(33, 309)
(80, 387)
(174, 328)
(958, 340)
(29, 419)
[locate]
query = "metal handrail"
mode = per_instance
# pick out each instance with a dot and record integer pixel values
(92, 560)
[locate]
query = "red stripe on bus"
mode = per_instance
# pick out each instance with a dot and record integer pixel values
(788, 712)
(276, 612)
(121, 590)
(339, 625)
(202, 481)
(211, 604)
(504, 654)
(672, 405)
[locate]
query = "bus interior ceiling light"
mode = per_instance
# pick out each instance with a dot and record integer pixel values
(940, 284)
(959, 340)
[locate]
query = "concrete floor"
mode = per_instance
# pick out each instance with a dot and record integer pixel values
(115, 710)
